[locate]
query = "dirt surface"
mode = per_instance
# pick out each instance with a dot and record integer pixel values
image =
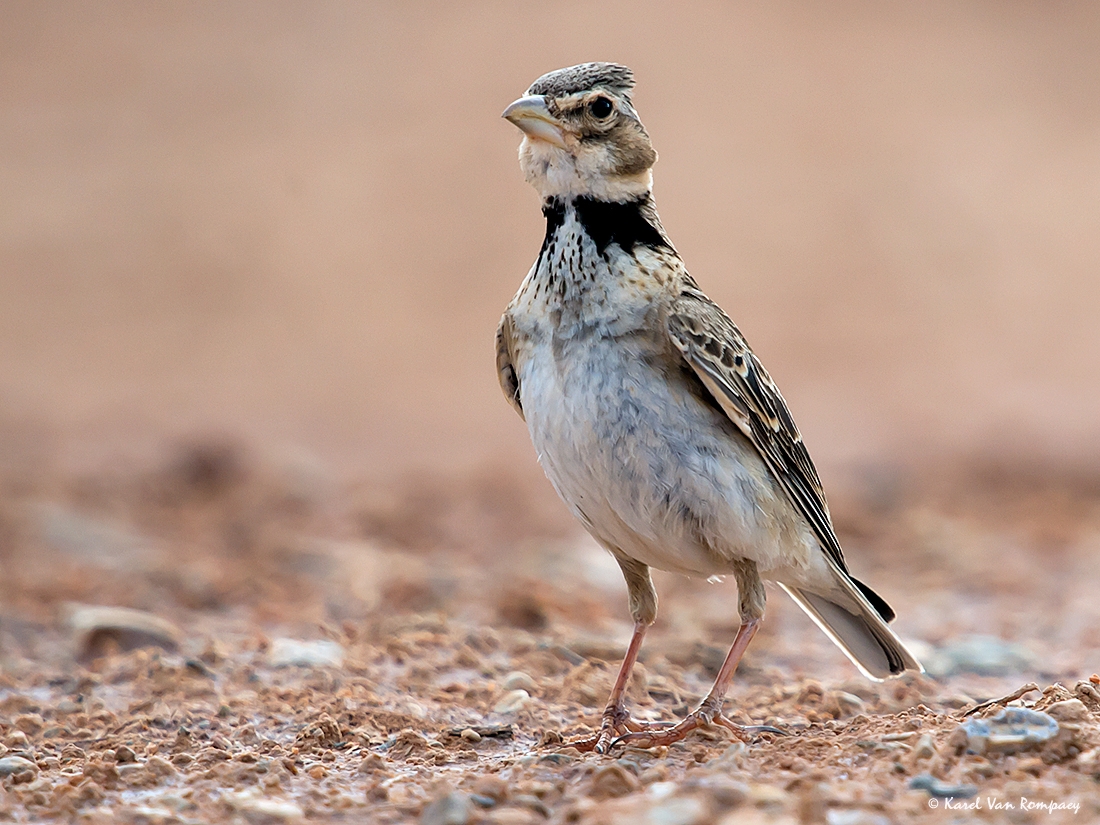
(420, 653)
(274, 549)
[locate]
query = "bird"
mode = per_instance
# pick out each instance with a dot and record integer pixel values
(653, 419)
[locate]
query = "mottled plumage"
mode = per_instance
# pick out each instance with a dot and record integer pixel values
(652, 417)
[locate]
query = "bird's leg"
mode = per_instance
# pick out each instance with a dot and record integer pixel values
(643, 606)
(615, 719)
(751, 597)
(709, 711)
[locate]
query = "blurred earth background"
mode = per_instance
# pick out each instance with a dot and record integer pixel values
(252, 258)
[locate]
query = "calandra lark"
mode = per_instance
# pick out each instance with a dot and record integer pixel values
(655, 422)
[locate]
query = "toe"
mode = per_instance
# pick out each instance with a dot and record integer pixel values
(587, 745)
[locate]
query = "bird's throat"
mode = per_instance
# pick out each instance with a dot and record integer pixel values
(628, 224)
(597, 258)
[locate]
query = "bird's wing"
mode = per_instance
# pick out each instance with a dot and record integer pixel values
(714, 347)
(506, 371)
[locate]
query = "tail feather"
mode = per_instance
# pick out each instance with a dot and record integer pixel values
(858, 629)
(877, 602)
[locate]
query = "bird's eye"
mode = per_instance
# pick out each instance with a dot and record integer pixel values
(600, 108)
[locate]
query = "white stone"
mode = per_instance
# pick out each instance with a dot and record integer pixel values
(512, 702)
(295, 652)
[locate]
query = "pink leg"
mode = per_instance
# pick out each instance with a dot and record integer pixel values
(616, 720)
(709, 711)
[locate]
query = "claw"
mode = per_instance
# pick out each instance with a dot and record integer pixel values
(765, 729)
(698, 719)
(614, 727)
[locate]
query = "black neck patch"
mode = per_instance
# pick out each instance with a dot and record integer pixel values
(606, 223)
(625, 224)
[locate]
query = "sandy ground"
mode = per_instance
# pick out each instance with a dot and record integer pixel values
(251, 261)
(308, 654)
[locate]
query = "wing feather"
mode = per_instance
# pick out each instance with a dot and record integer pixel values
(506, 370)
(718, 353)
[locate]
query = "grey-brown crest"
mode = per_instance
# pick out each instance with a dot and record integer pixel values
(613, 77)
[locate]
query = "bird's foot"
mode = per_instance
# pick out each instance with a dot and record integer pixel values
(656, 737)
(616, 724)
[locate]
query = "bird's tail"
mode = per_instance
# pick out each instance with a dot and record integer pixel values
(849, 618)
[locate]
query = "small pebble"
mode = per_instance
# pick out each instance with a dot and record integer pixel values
(925, 749)
(727, 793)
(10, 765)
(372, 763)
(512, 702)
(612, 781)
(263, 810)
(30, 723)
(246, 735)
(1070, 710)
(491, 786)
(660, 789)
(297, 653)
(124, 754)
(557, 759)
(899, 737)
(941, 790)
(318, 772)
(471, 736)
(850, 703)
(518, 680)
(159, 766)
(1013, 729)
(133, 774)
(95, 627)
(450, 809)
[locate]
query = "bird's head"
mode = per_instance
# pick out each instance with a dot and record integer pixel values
(581, 135)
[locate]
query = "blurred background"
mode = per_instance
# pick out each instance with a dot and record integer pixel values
(296, 224)
(252, 259)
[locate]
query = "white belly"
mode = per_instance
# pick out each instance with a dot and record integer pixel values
(652, 471)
